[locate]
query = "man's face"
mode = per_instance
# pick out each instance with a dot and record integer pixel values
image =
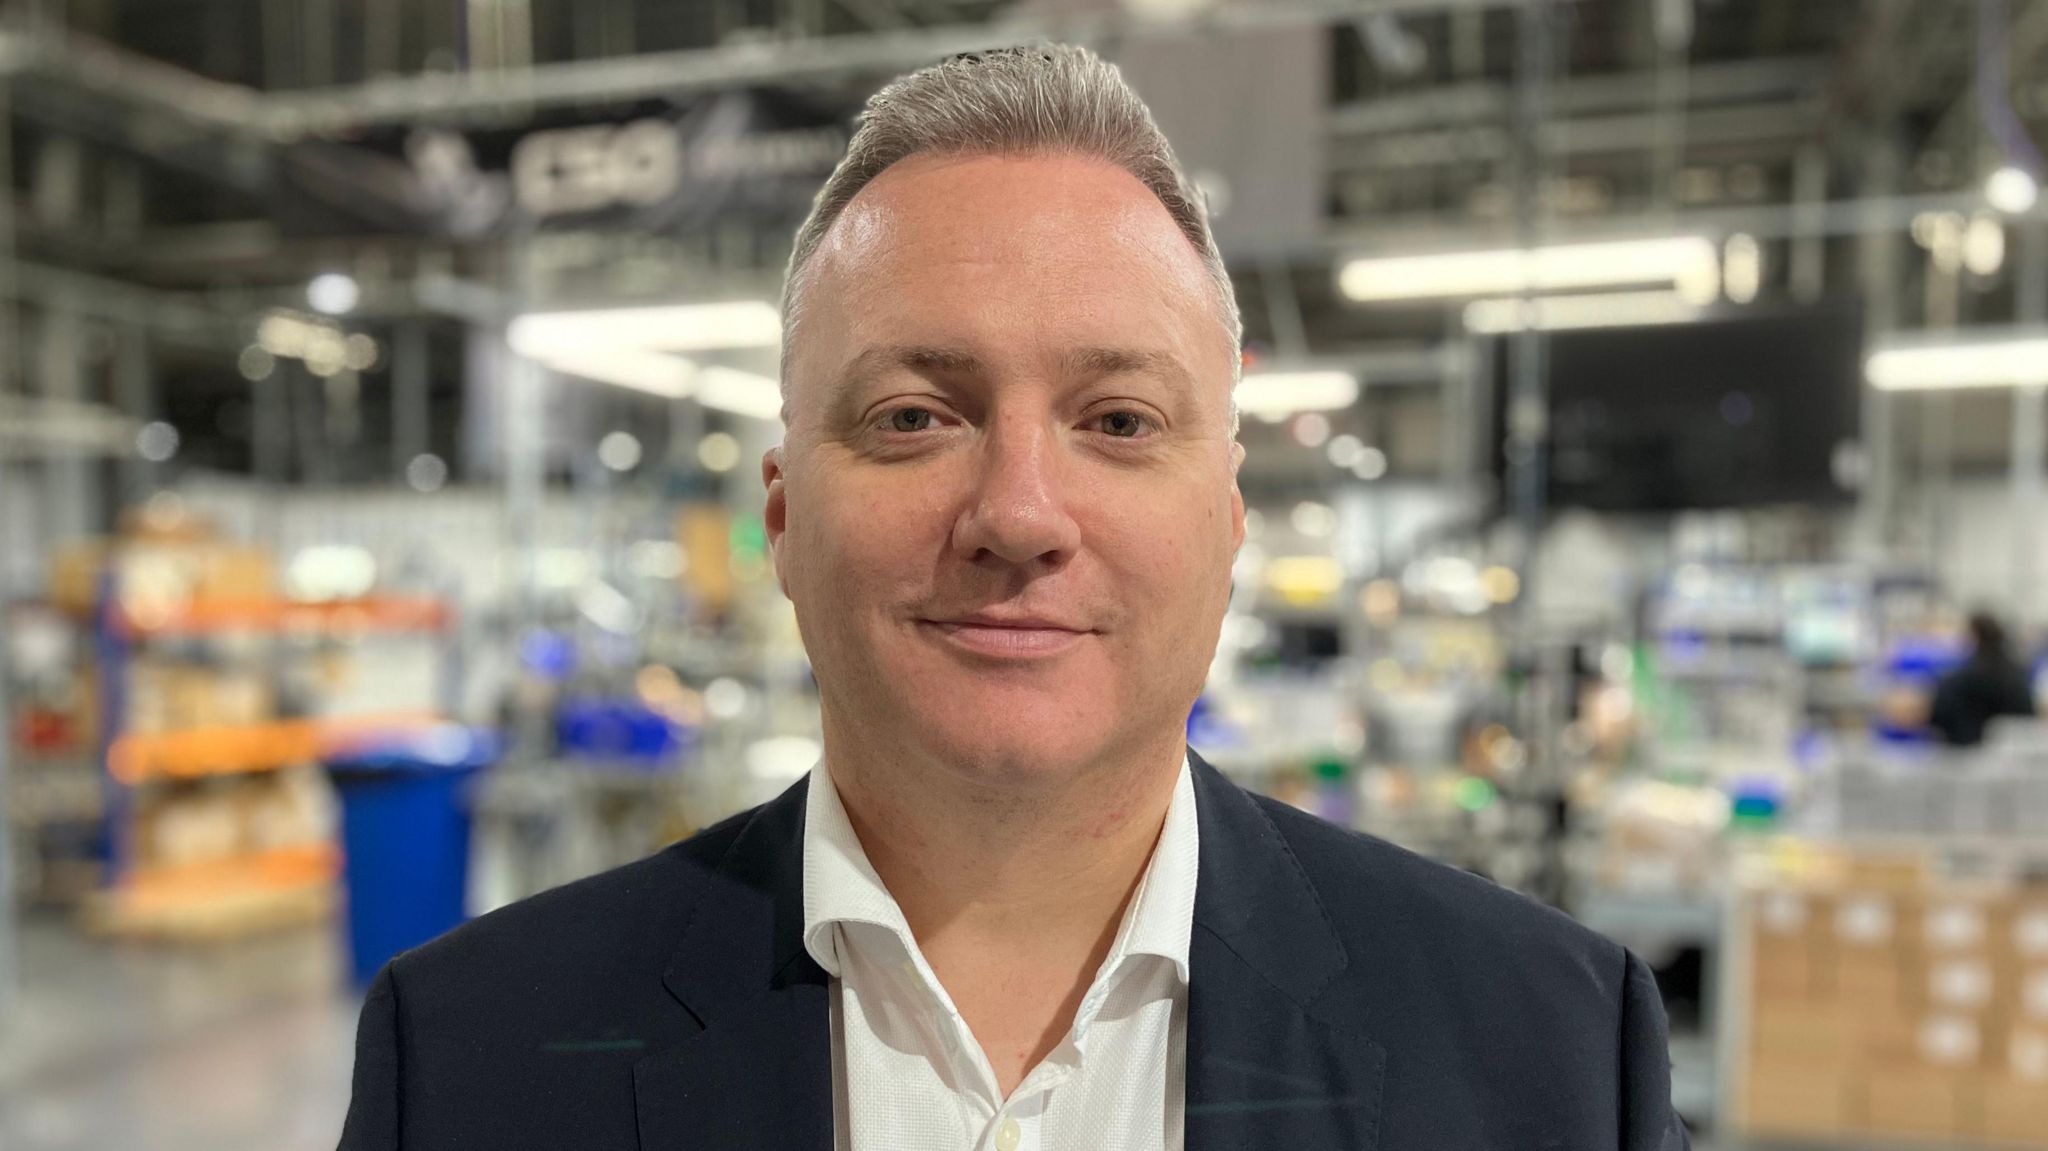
(1007, 504)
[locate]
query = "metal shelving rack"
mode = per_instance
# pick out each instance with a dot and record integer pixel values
(152, 899)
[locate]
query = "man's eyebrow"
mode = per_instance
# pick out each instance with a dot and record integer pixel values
(915, 357)
(1092, 363)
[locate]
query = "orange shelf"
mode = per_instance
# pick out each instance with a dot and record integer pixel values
(384, 613)
(203, 752)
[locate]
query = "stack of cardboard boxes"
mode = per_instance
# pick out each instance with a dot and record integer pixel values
(1885, 1005)
(166, 696)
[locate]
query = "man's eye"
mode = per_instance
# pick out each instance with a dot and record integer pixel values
(1123, 425)
(910, 419)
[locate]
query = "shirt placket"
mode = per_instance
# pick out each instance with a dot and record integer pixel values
(1020, 1124)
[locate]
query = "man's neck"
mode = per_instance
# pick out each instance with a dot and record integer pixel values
(1013, 897)
(962, 855)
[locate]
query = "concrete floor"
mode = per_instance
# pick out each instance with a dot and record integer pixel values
(227, 1047)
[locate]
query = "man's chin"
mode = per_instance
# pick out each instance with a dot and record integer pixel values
(1018, 746)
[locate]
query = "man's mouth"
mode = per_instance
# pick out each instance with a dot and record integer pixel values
(1007, 634)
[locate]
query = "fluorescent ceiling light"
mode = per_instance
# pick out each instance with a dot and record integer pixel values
(2011, 190)
(1600, 310)
(644, 371)
(675, 328)
(742, 393)
(1999, 363)
(1689, 262)
(1273, 394)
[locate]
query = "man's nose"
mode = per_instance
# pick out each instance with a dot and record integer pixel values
(1018, 510)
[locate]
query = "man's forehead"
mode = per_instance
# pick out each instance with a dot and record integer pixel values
(993, 202)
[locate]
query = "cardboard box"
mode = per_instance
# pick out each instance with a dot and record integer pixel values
(237, 574)
(1875, 965)
(1950, 1042)
(2028, 935)
(1800, 1033)
(1883, 1037)
(76, 570)
(1959, 983)
(1896, 873)
(1866, 921)
(242, 699)
(2030, 996)
(1800, 1099)
(2015, 1112)
(1955, 923)
(1792, 948)
(1881, 981)
(1914, 1104)
(2026, 1056)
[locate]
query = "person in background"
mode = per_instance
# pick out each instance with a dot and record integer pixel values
(1991, 684)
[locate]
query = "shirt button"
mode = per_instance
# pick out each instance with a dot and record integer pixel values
(1007, 1135)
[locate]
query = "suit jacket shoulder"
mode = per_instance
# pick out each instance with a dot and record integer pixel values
(1506, 1022)
(1391, 905)
(619, 921)
(522, 1027)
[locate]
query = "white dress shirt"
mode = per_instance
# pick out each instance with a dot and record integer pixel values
(908, 1074)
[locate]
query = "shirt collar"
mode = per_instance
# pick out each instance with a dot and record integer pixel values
(841, 886)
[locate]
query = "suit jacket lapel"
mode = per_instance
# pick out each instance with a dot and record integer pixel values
(1265, 1071)
(759, 1074)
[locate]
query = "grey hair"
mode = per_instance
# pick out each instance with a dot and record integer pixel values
(1043, 98)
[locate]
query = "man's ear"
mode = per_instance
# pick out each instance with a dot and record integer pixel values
(775, 514)
(1236, 498)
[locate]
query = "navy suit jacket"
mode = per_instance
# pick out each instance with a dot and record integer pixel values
(1343, 994)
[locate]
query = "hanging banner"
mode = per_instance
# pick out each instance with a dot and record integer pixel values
(748, 155)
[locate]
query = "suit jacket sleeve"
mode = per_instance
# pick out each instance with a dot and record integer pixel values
(1648, 1121)
(372, 1123)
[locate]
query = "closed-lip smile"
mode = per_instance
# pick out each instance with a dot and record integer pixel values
(1004, 634)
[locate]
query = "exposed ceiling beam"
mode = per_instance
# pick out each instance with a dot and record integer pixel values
(1746, 81)
(1425, 233)
(446, 98)
(1597, 135)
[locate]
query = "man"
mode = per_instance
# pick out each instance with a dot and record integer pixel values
(1011, 909)
(1990, 685)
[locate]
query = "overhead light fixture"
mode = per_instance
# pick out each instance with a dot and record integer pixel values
(738, 392)
(2011, 190)
(718, 452)
(1597, 310)
(619, 451)
(427, 473)
(1742, 274)
(2010, 362)
(1689, 263)
(157, 442)
(670, 328)
(1984, 245)
(1276, 395)
(333, 293)
(1346, 450)
(644, 371)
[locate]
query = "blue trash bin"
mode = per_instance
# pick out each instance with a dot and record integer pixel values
(405, 838)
